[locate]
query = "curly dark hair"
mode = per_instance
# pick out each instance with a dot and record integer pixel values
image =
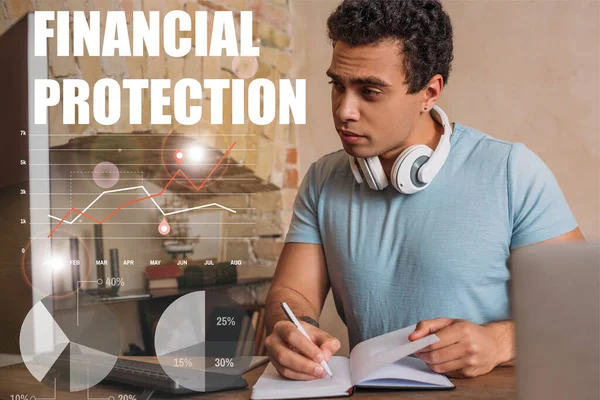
(421, 27)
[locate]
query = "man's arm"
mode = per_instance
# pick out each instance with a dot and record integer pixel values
(466, 349)
(504, 331)
(301, 281)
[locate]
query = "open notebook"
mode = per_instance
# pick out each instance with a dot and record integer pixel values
(380, 362)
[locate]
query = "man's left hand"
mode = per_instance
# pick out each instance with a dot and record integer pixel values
(465, 349)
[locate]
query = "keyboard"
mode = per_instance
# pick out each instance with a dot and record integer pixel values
(152, 376)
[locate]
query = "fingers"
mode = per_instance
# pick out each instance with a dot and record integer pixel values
(291, 336)
(429, 326)
(328, 345)
(465, 367)
(462, 351)
(443, 355)
(448, 335)
(295, 356)
(450, 366)
(291, 364)
(290, 373)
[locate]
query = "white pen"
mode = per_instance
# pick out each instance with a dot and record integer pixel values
(288, 312)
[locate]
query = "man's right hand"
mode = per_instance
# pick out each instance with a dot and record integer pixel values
(296, 357)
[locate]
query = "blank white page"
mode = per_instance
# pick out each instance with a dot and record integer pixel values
(380, 351)
(408, 368)
(271, 385)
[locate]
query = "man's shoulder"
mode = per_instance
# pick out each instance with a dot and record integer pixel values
(479, 151)
(477, 140)
(476, 146)
(473, 138)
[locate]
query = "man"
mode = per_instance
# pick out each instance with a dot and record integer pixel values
(394, 259)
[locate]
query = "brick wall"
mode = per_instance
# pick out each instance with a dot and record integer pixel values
(272, 148)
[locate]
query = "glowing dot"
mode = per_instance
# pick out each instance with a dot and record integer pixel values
(55, 263)
(106, 174)
(195, 154)
(244, 67)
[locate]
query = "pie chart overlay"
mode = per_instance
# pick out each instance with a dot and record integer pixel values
(204, 341)
(71, 348)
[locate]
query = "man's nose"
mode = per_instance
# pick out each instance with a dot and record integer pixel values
(348, 108)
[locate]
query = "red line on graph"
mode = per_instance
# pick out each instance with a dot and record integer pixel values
(147, 197)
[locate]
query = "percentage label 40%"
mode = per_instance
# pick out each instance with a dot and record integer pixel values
(115, 282)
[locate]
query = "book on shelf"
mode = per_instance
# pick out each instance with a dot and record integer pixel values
(162, 271)
(261, 348)
(245, 328)
(259, 328)
(197, 276)
(163, 283)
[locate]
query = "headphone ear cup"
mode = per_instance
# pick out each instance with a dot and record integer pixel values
(373, 173)
(368, 170)
(355, 169)
(406, 168)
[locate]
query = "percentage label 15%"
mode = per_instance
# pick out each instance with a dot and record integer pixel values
(182, 362)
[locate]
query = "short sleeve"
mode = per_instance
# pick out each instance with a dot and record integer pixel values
(538, 209)
(304, 227)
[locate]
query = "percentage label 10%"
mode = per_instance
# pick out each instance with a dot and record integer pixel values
(224, 362)
(225, 321)
(182, 362)
(21, 397)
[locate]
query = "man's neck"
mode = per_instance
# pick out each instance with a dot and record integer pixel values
(428, 132)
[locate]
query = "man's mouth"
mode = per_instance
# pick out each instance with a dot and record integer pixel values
(349, 133)
(350, 137)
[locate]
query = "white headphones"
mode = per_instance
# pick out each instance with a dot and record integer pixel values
(415, 167)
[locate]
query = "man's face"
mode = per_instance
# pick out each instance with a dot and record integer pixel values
(368, 98)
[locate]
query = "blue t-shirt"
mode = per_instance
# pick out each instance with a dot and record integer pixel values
(396, 259)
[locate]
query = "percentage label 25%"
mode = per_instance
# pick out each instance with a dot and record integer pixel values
(225, 321)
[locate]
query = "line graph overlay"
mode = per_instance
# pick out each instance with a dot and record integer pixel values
(149, 196)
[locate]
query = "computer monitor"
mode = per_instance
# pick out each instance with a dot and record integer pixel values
(24, 191)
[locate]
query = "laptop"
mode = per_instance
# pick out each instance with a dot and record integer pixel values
(556, 306)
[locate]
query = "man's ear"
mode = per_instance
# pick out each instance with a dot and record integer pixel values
(433, 91)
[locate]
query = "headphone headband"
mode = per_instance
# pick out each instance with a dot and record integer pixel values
(430, 169)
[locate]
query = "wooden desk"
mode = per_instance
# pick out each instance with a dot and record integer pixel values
(498, 384)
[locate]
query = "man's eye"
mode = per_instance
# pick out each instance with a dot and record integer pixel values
(336, 85)
(370, 92)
